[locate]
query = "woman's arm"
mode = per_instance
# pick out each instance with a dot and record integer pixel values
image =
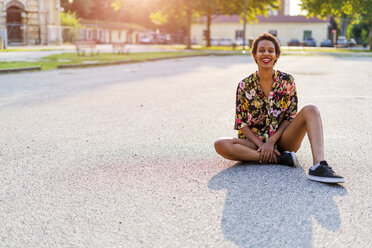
(242, 117)
(276, 136)
(266, 150)
(251, 136)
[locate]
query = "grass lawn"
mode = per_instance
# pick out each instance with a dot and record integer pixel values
(51, 62)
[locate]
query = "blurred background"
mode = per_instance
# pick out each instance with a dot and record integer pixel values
(337, 23)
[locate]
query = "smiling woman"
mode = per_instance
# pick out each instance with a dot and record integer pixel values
(270, 130)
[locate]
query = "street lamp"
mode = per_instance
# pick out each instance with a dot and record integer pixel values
(245, 24)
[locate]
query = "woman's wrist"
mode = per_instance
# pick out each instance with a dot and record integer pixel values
(271, 141)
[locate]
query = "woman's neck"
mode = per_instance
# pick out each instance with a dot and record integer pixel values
(265, 74)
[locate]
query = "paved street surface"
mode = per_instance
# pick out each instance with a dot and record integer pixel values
(123, 156)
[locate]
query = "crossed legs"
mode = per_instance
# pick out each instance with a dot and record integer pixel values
(308, 121)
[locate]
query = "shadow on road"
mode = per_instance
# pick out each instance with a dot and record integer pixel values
(273, 206)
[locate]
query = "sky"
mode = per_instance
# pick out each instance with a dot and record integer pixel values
(295, 9)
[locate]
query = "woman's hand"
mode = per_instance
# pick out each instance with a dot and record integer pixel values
(267, 153)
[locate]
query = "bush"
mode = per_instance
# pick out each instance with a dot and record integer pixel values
(70, 24)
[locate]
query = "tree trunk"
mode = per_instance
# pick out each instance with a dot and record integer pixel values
(208, 34)
(344, 24)
(188, 32)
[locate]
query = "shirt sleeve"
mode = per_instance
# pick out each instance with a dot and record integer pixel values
(291, 111)
(241, 107)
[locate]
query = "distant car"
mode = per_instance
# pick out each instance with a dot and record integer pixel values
(214, 41)
(147, 39)
(163, 39)
(294, 42)
(239, 42)
(310, 42)
(326, 43)
(225, 42)
(342, 41)
(351, 42)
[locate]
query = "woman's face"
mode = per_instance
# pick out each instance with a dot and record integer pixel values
(266, 54)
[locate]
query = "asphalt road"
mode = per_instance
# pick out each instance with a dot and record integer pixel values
(123, 156)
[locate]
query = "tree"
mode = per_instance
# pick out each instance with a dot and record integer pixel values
(208, 9)
(338, 8)
(167, 9)
(212, 7)
(359, 30)
(69, 19)
(254, 7)
(82, 8)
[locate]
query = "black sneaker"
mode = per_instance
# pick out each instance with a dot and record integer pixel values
(287, 158)
(323, 173)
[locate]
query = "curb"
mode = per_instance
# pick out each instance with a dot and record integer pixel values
(12, 70)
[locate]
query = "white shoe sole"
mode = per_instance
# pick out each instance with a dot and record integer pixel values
(326, 179)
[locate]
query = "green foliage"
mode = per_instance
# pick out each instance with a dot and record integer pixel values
(254, 7)
(337, 8)
(159, 18)
(365, 37)
(69, 19)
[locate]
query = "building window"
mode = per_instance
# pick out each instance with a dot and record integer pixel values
(119, 36)
(307, 34)
(204, 34)
(238, 34)
(273, 32)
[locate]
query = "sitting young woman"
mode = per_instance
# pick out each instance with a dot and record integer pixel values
(270, 130)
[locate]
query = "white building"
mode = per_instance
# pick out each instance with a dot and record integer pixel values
(284, 26)
(109, 32)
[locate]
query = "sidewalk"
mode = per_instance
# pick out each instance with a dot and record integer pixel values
(43, 51)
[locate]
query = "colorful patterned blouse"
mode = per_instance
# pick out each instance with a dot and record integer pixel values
(264, 115)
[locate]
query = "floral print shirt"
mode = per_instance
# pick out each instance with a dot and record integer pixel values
(264, 115)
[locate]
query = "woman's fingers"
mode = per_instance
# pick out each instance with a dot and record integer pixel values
(267, 156)
(274, 157)
(277, 152)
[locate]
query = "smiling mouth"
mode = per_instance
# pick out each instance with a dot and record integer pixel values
(266, 61)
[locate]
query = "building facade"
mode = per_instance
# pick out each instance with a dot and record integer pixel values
(109, 32)
(285, 27)
(30, 22)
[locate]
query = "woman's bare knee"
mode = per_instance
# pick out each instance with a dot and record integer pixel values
(223, 147)
(310, 110)
(220, 145)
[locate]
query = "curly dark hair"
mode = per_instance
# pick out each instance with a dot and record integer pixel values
(269, 37)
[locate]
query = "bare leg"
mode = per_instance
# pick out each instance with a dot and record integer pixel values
(237, 149)
(307, 121)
